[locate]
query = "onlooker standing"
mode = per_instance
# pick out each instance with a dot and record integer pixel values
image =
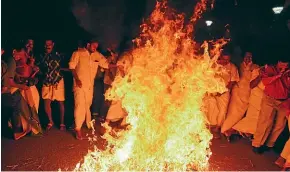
(98, 94)
(84, 64)
(284, 160)
(239, 96)
(102, 83)
(24, 118)
(53, 83)
(277, 90)
(29, 45)
(218, 104)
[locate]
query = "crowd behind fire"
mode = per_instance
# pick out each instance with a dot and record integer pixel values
(256, 105)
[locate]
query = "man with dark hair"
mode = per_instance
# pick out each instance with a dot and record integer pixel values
(29, 45)
(240, 95)
(218, 104)
(11, 89)
(53, 83)
(84, 65)
(277, 91)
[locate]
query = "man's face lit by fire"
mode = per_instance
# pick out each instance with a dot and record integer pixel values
(29, 45)
(224, 60)
(248, 57)
(282, 66)
(19, 55)
(48, 46)
(92, 47)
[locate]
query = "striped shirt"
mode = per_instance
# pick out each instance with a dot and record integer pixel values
(50, 66)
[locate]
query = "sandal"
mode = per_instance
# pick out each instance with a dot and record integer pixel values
(49, 126)
(62, 127)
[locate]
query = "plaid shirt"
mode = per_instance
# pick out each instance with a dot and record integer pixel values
(50, 65)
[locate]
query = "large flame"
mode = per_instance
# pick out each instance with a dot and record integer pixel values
(162, 92)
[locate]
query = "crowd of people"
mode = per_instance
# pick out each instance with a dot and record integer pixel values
(256, 104)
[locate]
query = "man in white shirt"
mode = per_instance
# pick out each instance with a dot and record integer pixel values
(218, 104)
(84, 64)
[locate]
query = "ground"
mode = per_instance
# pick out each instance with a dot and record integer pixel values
(60, 150)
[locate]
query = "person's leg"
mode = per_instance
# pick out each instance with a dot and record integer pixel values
(47, 95)
(47, 109)
(59, 96)
(287, 164)
(277, 128)
(88, 103)
(20, 128)
(98, 97)
(35, 96)
(106, 104)
(62, 111)
(264, 125)
(285, 154)
(222, 104)
(236, 109)
(79, 111)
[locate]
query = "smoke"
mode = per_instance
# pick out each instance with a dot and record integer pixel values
(112, 21)
(116, 21)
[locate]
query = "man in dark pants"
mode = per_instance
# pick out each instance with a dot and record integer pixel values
(103, 80)
(10, 94)
(98, 96)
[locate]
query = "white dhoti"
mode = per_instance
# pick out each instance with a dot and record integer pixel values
(85, 65)
(239, 100)
(270, 124)
(237, 107)
(83, 101)
(34, 96)
(116, 112)
(249, 123)
(54, 92)
(217, 108)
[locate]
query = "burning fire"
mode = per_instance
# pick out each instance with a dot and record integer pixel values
(162, 92)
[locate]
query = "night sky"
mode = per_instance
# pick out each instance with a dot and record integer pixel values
(252, 22)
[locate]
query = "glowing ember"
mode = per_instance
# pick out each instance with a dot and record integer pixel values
(162, 91)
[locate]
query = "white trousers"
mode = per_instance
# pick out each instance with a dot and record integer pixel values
(83, 101)
(271, 122)
(217, 107)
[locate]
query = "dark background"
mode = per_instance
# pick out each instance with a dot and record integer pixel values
(252, 24)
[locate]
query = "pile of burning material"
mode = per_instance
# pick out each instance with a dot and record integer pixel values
(162, 92)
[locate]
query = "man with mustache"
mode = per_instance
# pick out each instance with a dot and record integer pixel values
(29, 45)
(53, 83)
(84, 65)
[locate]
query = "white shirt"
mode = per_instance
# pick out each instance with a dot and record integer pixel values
(231, 73)
(86, 66)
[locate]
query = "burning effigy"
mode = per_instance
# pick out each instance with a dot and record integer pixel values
(162, 92)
